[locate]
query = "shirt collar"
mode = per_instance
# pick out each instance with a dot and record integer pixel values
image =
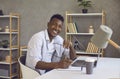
(47, 36)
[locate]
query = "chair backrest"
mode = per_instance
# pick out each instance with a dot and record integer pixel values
(91, 48)
(27, 73)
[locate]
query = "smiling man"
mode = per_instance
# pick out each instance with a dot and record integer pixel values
(46, 48)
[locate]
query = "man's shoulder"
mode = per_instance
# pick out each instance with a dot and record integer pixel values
(39, 34)
(59, 39)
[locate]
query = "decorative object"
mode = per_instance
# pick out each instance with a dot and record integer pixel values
(102, 38)
(0, 58)
(105, 33)
(4, 43)
(76, 45)
(0, 44)
(7, 29)
(0, 29)
(91, 29)
(8, 58)
(85, 4)
(1, 12)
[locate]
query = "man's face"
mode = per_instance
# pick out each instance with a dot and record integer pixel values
(54, 27)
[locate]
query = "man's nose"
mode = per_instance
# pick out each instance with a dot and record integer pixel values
(57, 27)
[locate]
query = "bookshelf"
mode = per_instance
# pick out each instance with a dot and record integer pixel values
(10, 25)
(81, 22)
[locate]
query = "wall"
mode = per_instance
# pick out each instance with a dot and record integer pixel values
(35, 15)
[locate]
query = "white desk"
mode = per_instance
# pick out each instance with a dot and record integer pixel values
(107, 68)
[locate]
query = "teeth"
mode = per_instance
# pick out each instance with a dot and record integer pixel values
(55, 31)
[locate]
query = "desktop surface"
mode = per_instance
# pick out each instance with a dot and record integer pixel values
(107, 68)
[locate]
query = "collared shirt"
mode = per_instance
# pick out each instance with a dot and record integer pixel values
(41, 49)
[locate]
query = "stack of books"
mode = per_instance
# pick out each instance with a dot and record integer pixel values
(72, 28)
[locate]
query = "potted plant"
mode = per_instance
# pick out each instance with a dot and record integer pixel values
(4, 43)
(85, 4)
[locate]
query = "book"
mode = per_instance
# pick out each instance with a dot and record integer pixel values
(71, 28)
(76, 27)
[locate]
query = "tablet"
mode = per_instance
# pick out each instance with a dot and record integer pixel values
(81, 63)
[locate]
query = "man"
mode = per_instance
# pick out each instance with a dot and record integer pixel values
(47, 50)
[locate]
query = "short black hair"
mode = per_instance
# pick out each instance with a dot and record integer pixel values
(58, 16)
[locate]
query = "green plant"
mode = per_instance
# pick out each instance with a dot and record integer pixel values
(84, 3)
(4, 43)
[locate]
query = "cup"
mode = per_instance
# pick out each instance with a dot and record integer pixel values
(89, 65)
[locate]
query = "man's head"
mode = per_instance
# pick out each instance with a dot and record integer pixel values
(55, 25)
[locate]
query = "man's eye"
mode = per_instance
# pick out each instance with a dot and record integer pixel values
(54, 24)
(60, 26)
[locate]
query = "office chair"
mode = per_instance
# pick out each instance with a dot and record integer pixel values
(27, 73)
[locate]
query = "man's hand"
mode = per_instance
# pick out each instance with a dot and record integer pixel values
(64, 63)
(68, 44)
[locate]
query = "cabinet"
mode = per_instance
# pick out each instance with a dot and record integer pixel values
(81, 22)
(10, 31)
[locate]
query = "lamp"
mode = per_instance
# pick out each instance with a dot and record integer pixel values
(102, 38)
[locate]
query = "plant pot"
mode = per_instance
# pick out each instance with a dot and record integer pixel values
(1, 12)
(84, 10)
(5, 46)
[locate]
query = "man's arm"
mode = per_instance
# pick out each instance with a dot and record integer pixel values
(68, 44)
(64, 63)
(72, 52)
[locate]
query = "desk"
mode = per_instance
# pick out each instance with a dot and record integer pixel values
(107, 68)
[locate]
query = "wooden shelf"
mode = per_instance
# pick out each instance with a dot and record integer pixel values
(80, 33)
(85, 53)
(13, 36)
(4, 62)
(6, 77)
(84, 14)
(7, 16)
(8, 49)
(8, 33)
(77, 28)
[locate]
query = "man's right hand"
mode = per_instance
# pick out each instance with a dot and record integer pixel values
(64, 63)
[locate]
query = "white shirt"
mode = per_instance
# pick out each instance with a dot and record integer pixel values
(41, 49)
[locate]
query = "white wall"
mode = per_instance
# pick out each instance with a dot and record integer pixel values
(36, 13)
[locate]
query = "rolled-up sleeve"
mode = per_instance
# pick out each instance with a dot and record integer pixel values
(34, 51)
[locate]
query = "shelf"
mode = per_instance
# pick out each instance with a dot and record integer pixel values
(85, 53)
(6, 77)
(80, 36)
(4, 62)
(80, 33)
(23, 50)
(8, 16)
(85, 14)
(12, 34)
(8, 32)
(8, 49)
